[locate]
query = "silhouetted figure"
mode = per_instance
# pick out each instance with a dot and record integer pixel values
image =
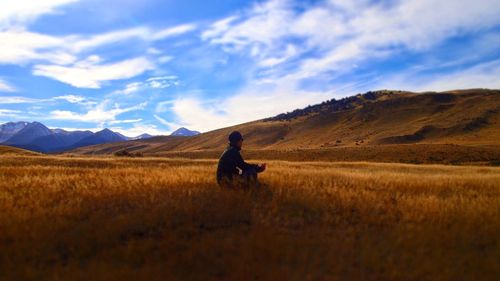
(232, 170)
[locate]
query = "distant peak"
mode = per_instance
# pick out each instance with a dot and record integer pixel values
(184, 132)
(105, 130)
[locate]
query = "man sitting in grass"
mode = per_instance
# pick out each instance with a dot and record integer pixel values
(233, 170)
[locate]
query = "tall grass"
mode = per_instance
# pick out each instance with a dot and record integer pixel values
(164, 219)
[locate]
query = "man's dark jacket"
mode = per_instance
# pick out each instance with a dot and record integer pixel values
(230, 160)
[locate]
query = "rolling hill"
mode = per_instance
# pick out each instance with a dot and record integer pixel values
(9, 150)
(467, 118)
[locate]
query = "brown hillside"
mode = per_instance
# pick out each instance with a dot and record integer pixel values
(9, 150)
(463, 117)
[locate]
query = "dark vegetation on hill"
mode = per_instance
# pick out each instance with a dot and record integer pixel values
(375, 126)
(334, 105)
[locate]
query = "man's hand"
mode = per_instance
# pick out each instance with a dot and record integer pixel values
(262, 167)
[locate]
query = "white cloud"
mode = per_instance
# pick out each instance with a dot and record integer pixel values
(345, 32)
(165, 59)
(164, 106)
(22, 11)
(153, 51)
(58, 57)
(6, 87)
(162, 78)
(337, 35)
(290, 52)
(162, 82)
(18, 99)
(159, 82)
(131, 88)
(378, 30)
(125, 121)
(263, 24)
(86, 43)
(21, 46)
(75, 99)
(10, 113)
(172, 31)
(139, 129)
(26, 100)
(484, 75)
(71, 98)
(253, 103)
(88, 74)
(102, 113)
(171, 125)
(218, 28)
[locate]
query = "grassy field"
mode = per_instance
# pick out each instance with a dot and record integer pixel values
(411, 154)
(70, 218)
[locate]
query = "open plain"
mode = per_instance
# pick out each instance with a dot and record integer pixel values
(111, 218)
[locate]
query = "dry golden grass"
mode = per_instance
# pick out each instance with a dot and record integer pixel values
(164, 219)
(9, 150)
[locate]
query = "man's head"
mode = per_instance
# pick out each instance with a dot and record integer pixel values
(236, 139)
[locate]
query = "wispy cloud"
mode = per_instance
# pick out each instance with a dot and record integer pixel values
(6, 87)
(172, 31)
(292, 43)
(356, 30)
(139, 129)
(90, 74)
(102, 113)
(170, 125)
(484, 75)
(125, 121)
(75, 99)
(86, 43)
(18, 99)
(262, 59)
(21, 11)
(20, 47)
(253, 103)
(66, 58)
(10, 113)
(157, 82)
(68, 98)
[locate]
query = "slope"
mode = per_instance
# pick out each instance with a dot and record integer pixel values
(9, 150)
(464, 117)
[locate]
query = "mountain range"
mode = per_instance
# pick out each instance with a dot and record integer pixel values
(369, 122)
(36, 136)
(466, 118)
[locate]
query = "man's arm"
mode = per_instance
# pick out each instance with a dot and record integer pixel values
(240, 163)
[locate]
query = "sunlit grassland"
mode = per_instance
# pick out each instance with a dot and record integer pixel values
(165, 219)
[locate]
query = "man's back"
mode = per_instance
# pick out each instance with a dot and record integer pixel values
(228, 163)
(231, 160)
(225, 165)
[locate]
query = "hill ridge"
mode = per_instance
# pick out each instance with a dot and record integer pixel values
(461, 117)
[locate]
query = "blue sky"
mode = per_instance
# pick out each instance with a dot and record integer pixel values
(156, 65)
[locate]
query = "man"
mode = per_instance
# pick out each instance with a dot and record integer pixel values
(230, 161)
